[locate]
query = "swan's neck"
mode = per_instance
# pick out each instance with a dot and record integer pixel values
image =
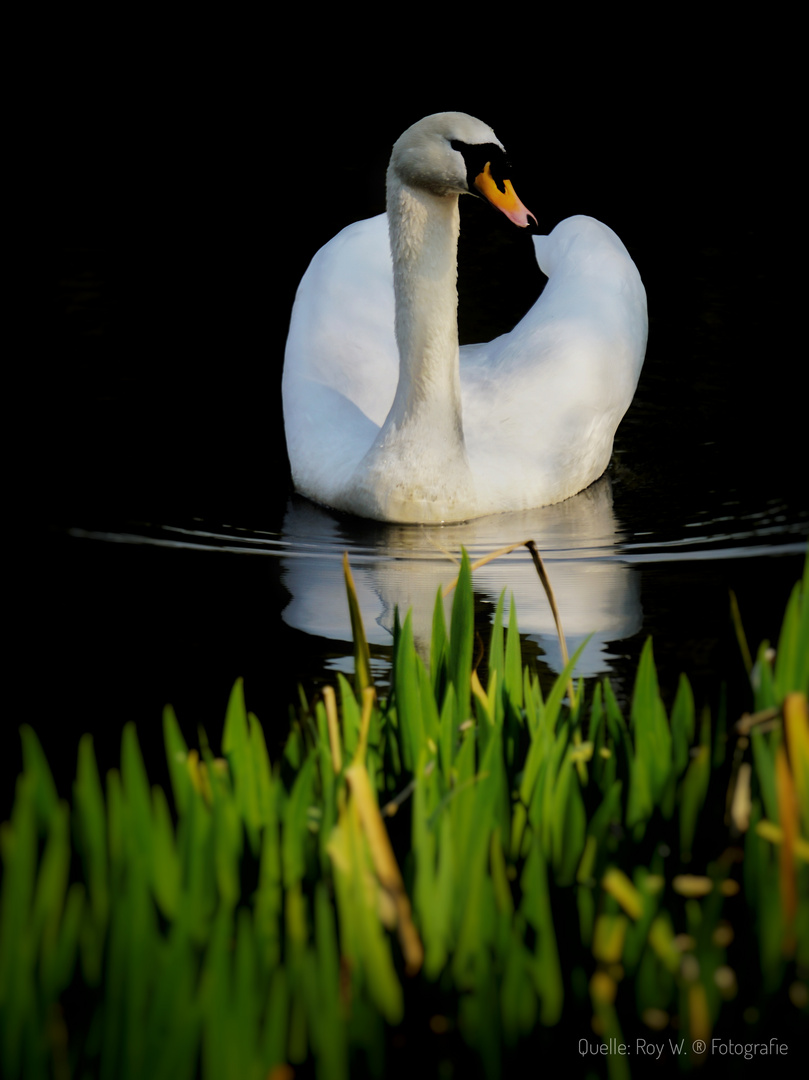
(417, 469)
(424, 244)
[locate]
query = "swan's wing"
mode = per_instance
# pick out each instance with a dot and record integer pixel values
(542, 403)
(341, 363)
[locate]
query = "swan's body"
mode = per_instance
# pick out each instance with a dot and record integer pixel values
(387, 419)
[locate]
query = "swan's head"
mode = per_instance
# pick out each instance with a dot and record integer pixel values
(452, 153)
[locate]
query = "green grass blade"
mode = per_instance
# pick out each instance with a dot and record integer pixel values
(36, 765)
(90, 824)
(177, 758)
(167, 872)
(362, 654)
(546, 970)
(439, 649)
(462, 629)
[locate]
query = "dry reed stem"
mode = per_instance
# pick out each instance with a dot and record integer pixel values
(384, 860)
(788, 819)
(546, 585)
(387, 869)
(750, 720)
(330, 701)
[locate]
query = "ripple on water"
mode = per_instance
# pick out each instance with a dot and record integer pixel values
(593, 560)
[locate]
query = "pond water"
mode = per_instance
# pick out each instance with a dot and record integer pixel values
(142, 615)
(598, 570)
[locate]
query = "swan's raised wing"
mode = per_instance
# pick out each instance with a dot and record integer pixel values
(541, 404)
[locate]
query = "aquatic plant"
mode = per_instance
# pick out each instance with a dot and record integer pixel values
(457, 869)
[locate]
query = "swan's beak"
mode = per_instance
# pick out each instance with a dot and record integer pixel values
(506, 201)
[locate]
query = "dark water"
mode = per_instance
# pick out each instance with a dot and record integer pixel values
(133, 615)
(164, 552)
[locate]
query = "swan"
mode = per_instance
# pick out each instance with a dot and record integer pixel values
(385, 417)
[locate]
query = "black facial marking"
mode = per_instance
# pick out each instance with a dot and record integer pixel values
(476, 155)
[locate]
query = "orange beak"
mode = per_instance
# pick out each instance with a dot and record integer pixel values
(506, 201)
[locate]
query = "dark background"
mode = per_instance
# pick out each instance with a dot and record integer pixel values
(191, 171)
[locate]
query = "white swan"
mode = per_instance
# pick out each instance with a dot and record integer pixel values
(383, 417)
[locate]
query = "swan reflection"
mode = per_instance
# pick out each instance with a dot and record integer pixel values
(597, 593)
